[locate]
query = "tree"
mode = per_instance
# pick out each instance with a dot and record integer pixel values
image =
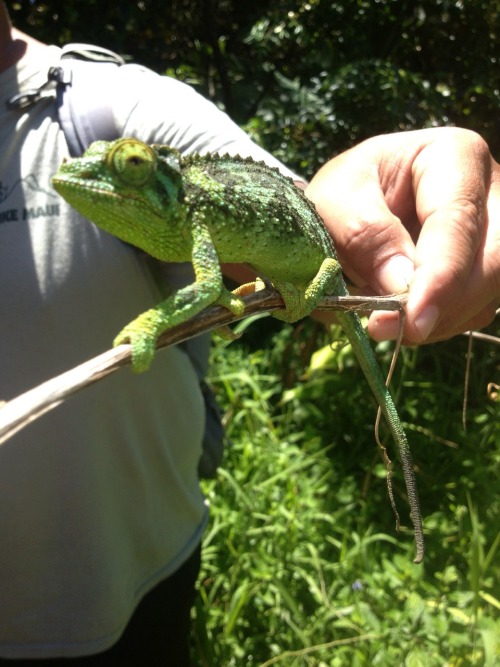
(306, 78)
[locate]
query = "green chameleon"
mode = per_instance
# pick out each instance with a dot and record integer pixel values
(211, 209)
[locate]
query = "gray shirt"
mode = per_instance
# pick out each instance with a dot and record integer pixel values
(99, 499)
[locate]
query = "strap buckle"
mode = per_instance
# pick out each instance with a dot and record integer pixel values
(27, 99)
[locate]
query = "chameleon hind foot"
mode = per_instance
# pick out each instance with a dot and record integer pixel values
(250, 288)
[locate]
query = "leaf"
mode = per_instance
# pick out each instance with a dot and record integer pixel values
(416, 658)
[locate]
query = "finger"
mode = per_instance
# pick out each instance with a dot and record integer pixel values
(477, 303)
(478, 321)
(384, 325)
(374, 248)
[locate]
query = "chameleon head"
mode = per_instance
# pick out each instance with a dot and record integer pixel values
(129, 189)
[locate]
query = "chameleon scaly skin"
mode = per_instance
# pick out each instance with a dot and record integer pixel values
(211, 209)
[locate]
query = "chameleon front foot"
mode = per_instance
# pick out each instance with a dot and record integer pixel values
(143, 344)
(235, 304)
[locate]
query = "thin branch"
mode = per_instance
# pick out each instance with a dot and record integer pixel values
(20, 411)
(477, 335)
(466, 380)
(474, 335)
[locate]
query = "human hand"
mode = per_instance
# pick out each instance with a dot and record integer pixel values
(418, 211)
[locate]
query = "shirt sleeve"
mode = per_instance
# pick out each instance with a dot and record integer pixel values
(159, 109)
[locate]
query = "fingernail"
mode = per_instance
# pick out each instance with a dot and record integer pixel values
(426, 321)
(395, 275)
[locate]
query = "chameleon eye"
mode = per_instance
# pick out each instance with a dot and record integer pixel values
(133, 162)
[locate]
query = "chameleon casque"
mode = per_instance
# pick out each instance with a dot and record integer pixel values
(208, 209)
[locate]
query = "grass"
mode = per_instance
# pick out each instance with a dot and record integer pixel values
(302, 565)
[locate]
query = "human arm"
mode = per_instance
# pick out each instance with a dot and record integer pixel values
(418, 209)
(159, 109)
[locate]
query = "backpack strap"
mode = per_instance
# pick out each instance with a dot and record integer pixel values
(91, 53)
(85, 112)
(86, 117)
(82, 95)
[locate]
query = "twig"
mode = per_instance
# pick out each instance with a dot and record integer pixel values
(466, 380)
(477, 335)
(20, 411)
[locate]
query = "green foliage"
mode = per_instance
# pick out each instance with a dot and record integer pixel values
(302, 565)
(306, 78)
(301, 562)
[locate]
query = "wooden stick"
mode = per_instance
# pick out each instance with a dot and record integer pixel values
(20, 411)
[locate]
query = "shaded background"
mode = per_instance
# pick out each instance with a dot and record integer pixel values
(307, 79)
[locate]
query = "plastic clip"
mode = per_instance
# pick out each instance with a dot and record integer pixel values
(27, 99)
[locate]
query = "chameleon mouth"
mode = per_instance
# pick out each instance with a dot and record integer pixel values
(69, 187)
